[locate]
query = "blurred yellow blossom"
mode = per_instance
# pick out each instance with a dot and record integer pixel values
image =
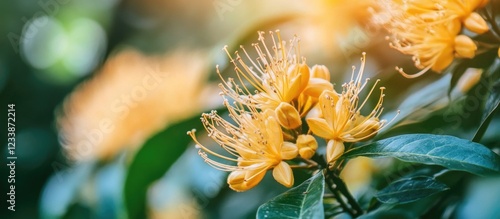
(429, 30)
(129, 99)
(469, 79)
(255, 143)
(341, 119)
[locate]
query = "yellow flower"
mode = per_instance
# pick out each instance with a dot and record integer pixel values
(255, 143)
(428, 31)
(341, 119)
(279, 76)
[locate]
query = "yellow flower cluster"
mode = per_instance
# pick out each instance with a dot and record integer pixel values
(272, 96)
(429, 30)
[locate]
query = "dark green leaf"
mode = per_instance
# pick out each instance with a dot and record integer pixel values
(448, 151)
(410, 189)
(303, 201)
(419, 105)
(491, 106)
(152, 161)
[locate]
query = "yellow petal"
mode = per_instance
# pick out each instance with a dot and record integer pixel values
(366, 129)
(316, 86)
(298, 75)
(275, 135)
(253, 177)
(475, 23)
(326, 103)
(243, 180)
(465, 47)
(320, 128)
(236, 181)
(304, 75)
(293, 90)
(288, 116)
(289, 151)
(334, 149)
(283, 174)
(444, 60)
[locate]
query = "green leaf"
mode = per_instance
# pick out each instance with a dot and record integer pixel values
(303, 201)
(448, 151)
(419, 105)
(491, 105)
(152, 161)
(410, 189)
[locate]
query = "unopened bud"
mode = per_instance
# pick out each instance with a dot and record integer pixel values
(289, 151)
(320, 71)
(465, 47)
(470, 78)
(334, 149)
(288, 116)
(306, 153)
(475, 23)
(307, 145)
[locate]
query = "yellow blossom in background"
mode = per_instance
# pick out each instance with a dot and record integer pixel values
(429, 30)
(358, 173)
(132, 97)
(341, 119)
(255, 144)
(279, 76)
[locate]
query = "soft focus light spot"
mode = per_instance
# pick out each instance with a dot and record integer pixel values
(43, 42)
(87, 40)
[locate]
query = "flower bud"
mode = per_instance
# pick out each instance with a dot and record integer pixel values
(288, 116)
(320, 71)
(470, 78)
(289, 151)
(283, 174)
(475, 23)
(307, 145)
(334, 149)
(465, 47)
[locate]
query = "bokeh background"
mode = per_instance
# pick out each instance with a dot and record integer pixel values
(105, 91)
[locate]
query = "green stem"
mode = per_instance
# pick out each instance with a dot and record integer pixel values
(336, 185)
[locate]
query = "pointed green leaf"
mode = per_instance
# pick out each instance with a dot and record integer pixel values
(152, 161)
(448, 151)
(491, 107)
(410, 189)
(303, 201)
